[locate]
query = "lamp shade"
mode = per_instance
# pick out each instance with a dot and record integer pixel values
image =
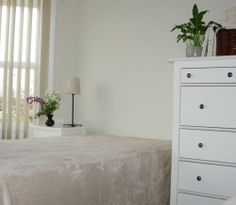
(73, 86)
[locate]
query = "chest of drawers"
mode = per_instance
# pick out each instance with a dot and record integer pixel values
(204, 131)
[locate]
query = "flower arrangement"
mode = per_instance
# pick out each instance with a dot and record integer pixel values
(48, 105)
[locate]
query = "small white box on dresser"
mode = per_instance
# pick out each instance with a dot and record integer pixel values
(204, 131)
(57, 130)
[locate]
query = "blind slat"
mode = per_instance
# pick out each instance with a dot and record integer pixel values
(19, 69)
(10, 67)
(27, 69)
(4, 97)
(38, 40)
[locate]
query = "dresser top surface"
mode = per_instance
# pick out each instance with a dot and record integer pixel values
(173, 60)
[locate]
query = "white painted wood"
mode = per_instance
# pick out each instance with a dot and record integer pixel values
(56, 131)
(212, 144)
(219, 106)
(203, 63)
(175, 134)
(208, 75)
(185, 199)
(204, 59)
(214, 127)
(44, 133)
(215, 180)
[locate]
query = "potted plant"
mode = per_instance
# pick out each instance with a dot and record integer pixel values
(193, 32)
(48, 105)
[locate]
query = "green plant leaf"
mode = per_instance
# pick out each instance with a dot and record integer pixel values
(214, 23)
(193, 20)
(195, 11)
(202, 13)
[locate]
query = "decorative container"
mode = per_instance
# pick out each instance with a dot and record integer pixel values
(49, 122)
(193, 51)
(226, 42)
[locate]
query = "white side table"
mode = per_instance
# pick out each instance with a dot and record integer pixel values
(56, 130)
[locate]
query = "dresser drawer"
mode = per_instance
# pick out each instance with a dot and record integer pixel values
(208, 75)
(208, 106)
(208, 145)
(208, 179)
(185, 199)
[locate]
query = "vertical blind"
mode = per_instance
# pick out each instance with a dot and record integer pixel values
(20, 37)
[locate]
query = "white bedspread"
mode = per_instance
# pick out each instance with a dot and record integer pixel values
(91, 170)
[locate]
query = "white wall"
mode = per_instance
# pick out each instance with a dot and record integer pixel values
(65, 64)
(120, 55)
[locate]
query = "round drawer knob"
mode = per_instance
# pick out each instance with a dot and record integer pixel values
(202, 106)
(200, 145)
(189, 75)
(199, 178)
(230, 75)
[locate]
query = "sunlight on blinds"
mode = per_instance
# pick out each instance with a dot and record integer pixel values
(19, 44)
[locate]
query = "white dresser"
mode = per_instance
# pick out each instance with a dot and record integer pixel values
(204, 131)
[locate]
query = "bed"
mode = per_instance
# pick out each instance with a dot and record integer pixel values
(91, 170)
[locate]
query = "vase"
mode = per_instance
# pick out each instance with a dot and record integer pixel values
(193, 51)
(49, 122)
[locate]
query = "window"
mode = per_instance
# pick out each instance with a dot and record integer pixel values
(19, 56)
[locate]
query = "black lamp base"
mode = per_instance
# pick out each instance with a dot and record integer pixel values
(72, 115)
(70, 125)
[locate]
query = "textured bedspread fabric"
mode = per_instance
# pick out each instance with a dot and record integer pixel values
(91, 170)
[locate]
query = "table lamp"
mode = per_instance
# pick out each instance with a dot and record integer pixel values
(73, 88)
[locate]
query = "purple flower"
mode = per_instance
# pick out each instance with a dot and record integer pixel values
(39, 100)
(35, 99)
(29, 100)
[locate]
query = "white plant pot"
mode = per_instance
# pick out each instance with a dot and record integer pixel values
(193, 51)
